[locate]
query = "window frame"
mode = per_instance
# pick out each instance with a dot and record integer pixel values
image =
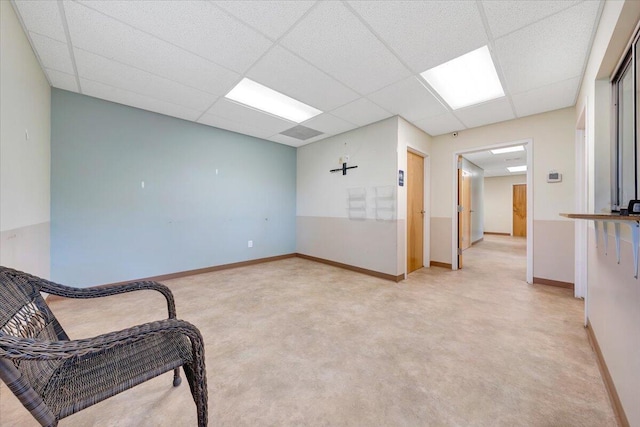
(628, 60)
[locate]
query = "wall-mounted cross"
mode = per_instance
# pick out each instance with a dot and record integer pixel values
(343, 169)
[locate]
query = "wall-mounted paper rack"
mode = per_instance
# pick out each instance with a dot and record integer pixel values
(357, 203)
(385, 202)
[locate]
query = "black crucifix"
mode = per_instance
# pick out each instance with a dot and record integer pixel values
(343, 169)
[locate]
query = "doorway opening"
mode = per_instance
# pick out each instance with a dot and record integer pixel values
(470, 218)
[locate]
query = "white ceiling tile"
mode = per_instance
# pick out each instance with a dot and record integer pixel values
(328, 124)
(96, 68)
(293, 142)
(121, 96)
(409, 99)
(53, 54)
(497, 164)
(257, 119)
(548, 51)
(179, 57)
(507, 16)
(97, 33)
(62, 80)
(272, 18)
(336, 41)
(196, 26)
(42, 17)
(489, 112)
(285, 72)
(439, 125)
(361, 112)
(493, 173)
(425, 33)
(233, 126)
(552, 97)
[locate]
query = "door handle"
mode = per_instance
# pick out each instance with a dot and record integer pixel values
(422, 212)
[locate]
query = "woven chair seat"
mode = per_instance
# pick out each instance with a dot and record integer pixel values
(54, 376)
(82, 382)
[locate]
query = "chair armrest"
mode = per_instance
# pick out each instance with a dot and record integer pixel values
(17, 348)
(103, 291)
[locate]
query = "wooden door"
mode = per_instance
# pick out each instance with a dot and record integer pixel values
(464, 210)
(520, 210)
(415, 211)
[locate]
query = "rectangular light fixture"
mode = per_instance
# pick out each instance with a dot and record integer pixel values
(508, 149)
(466, 80)
(255, 95)
(513, 169)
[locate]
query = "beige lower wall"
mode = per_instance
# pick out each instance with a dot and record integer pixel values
(27, 249)
(553, 250)
(401, 252)
(613, 307)
(441, 239)
(365, 243)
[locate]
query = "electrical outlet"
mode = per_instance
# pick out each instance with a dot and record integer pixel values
(250, 244)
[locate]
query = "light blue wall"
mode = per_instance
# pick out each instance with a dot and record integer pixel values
(105, 228)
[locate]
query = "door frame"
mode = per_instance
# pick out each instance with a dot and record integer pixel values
(582, 202)
(425, 233)
(454, 208)
(403, 200)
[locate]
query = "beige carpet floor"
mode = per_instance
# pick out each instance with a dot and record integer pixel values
(297, 343)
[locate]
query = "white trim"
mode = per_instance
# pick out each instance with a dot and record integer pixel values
(580, 226)
(454, 214)
(530, 211)
(426, 247)
(582, 197)
(528, 143)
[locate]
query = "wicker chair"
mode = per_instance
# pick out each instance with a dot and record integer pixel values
(54, 377)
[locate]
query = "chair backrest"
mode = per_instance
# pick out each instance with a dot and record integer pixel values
(25, 314)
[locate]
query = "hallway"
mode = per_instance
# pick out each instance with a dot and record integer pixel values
(504, 256)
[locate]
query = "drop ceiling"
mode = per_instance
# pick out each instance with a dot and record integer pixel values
(357, 61)
(497, 164)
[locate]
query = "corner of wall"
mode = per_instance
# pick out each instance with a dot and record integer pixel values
(25, 139)
(340, 218)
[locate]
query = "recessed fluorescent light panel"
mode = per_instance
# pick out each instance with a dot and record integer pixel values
(466, 80)
(260, 97)
(513, 169)
(508, 150)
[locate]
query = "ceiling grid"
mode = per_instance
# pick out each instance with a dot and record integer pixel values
(357, 61)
